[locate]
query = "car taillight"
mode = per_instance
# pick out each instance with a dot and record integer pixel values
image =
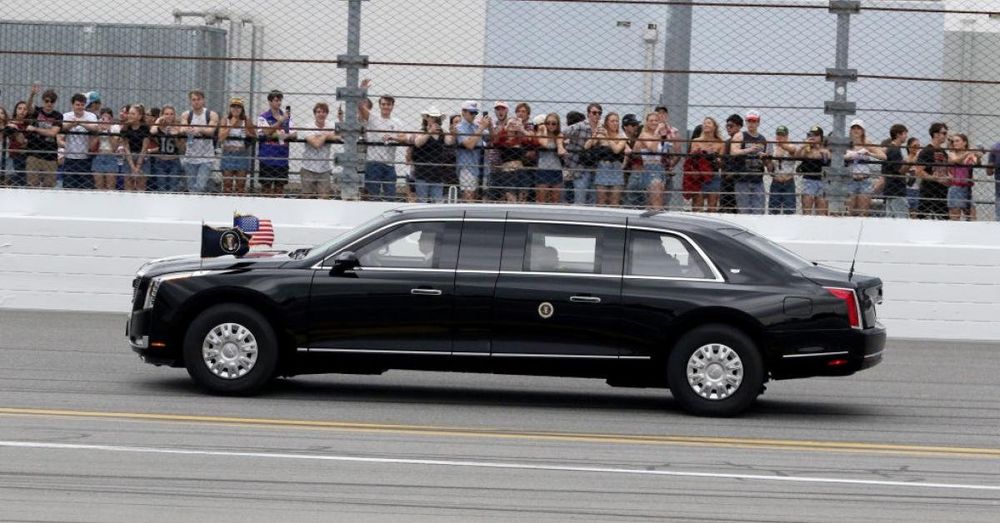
(850, 299)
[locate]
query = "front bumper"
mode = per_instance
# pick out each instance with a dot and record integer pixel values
(826, 353)
(139, 331)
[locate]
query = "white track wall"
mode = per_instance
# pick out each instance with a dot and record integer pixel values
(63, 250)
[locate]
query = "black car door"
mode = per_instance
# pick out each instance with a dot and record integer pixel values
(559, 290)
(666, 276)
(399, 299)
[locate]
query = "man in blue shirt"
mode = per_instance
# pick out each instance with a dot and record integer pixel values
(469, 149)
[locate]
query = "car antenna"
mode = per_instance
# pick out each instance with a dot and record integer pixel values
(850, 273)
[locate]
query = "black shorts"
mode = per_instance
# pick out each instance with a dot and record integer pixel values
(273, 176)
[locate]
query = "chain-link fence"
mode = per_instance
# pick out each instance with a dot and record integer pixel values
(763, 106)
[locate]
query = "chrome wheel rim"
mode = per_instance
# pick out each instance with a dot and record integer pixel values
(229, 351)
(715, 371)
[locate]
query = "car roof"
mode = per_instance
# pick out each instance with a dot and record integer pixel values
(681, 220)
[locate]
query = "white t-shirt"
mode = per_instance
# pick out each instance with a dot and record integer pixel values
(77, 145)
(316, 159)
(377, 128)
(199, 150)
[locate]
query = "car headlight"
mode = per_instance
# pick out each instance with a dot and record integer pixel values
(154, 285)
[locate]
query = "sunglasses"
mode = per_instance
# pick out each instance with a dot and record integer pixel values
(596, 112)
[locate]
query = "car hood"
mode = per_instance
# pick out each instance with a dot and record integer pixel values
(193, 262)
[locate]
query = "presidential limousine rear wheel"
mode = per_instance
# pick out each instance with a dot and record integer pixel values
(715, 370)
(230, 349)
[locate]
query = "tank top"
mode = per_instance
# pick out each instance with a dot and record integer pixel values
(235, 138)
(548, 160)
(809, 166)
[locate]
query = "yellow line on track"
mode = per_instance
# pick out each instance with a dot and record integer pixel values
(699, 441)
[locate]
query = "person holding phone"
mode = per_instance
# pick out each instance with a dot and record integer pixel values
(276, 129)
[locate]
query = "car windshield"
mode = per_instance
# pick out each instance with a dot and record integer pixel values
(347, 235)
(773, 250)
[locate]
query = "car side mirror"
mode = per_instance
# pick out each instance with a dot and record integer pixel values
(344, 262)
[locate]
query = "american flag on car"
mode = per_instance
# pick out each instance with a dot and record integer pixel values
(260, 231)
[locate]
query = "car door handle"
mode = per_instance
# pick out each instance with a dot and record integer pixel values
(425, 292)
(585, 299)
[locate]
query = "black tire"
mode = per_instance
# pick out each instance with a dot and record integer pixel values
(263, 367)
(715, 398)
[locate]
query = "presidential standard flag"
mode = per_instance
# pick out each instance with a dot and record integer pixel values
(222, 241)
(260, 231)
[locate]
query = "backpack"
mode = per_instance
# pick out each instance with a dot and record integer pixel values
(208, 118)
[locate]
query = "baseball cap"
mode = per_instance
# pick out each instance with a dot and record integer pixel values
(858, 122)
(753, 115)
(93, 96)
(471, 106)
(501, 104)
(236, 101)
(817, 130)
(630, 119)
(781, 130)
(539, 120)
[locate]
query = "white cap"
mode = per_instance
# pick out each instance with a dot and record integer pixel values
(471, 106)
(539, 119)
(431, 111)
(501, 104)
(857, 122)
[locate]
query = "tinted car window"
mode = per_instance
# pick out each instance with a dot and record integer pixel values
(773, 250)
(664, 255)
(414, 245)
(562, 248)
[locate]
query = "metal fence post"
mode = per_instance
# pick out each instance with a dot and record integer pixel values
(837, 174)
(350, 161)
(677, 42)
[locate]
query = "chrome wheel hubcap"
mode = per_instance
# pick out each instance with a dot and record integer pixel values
(715, 371)
(229, 350)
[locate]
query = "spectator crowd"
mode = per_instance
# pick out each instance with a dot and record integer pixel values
(594, 157)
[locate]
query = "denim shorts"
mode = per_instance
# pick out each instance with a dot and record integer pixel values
(959, 197)
(653, 172)
(813, 188)
(860, 186)
(234, 161)
(712, 185)
(105, 163)
(913, 197)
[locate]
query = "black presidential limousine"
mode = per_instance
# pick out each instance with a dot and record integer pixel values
(703, 307)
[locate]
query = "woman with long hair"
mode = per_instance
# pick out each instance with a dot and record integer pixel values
(16, 144)
(813, 155)
(235, 134)
(551, 147)
(167, 165)
(702, 181)
(860, 161)
(654, 176)
(135, 138)
(105, 164)
(960, 189)
(610, 177)
(913, 147)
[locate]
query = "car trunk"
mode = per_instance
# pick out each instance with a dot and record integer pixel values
(867, 288)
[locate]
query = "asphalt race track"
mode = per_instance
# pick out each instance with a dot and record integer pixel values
(89, 433)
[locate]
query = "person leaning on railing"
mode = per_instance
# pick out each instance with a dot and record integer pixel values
(960, 186)
(812, 156)
(894, 170)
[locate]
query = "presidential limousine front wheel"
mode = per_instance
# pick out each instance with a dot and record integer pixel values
(715, 370)
(230, 349)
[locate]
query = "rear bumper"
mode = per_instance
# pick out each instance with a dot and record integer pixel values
(826, 353)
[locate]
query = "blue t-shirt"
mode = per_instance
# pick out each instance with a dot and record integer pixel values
(465, 157)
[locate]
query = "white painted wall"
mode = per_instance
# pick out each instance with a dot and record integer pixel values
(78, 251)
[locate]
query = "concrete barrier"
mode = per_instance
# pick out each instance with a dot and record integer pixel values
(70, 250)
